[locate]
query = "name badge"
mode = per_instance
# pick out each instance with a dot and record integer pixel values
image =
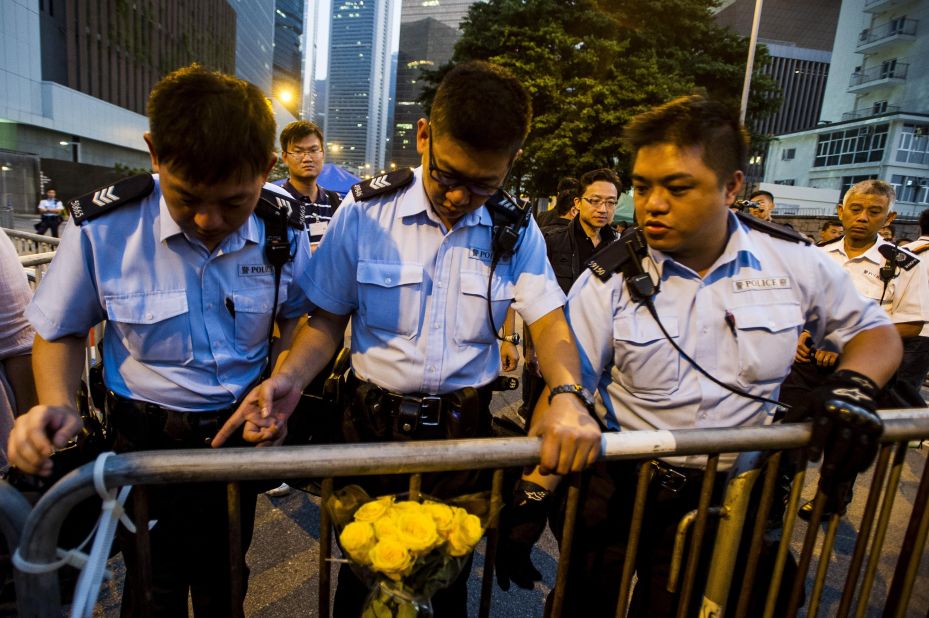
(254, 270)
(769, 283)
(318, 229)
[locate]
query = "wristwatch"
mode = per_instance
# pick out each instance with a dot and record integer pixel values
(514, 338)
(578, 391)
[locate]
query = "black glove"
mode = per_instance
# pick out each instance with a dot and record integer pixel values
(846, 426)
(522, 523)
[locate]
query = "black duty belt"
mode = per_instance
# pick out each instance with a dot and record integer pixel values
(147, 422)
(418, 411)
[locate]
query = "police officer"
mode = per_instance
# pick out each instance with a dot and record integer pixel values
(417, 270)
(50, 211)
(732, 293)
(183, 269)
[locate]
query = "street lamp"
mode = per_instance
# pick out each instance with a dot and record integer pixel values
(6, 208)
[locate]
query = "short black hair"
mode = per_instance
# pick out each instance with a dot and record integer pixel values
(297, 130)
(758, 192)
(694, 121)
(483, 106)
(209, 126)
(567, 191)
(830, 223)
(600, 175)
(924, 222)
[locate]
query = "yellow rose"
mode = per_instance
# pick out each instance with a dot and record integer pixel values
(357, 539)
(386, 528)
(465, 535)
(374, 510)
(391, 557)
(416, 530)
(442, 515)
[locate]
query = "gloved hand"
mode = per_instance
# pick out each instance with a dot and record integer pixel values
(522, 523)
(847, 428)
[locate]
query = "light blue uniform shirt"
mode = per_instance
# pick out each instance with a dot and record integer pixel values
(417, 293)
(770, 289)
(171, 337)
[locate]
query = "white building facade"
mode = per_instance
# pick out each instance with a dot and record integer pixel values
(875, 117)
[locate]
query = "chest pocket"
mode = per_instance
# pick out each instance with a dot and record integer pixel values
(767, 338)
(252, 317)
(873, 288)
(647, 363)
(473, 325)
(154, 327)
(390, 296)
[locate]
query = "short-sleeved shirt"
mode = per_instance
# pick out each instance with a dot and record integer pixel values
(921, 245)
(186, 328)
(740, 322)
(907, 295)
(417, 293)
(49, 207)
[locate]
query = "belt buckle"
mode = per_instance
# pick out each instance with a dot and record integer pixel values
(669, 478)
(430, 411)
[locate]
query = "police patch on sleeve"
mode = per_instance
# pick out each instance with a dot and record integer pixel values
(96, 203)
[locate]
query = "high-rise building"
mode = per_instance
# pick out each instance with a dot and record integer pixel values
(360, 75)
(798, 35)
(75, 78)
(287, 86)
(875, 116)
(254, 41)
(429, 30)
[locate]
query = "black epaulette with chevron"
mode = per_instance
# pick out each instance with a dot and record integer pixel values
(773, 229)
(920, 249)
(380, 185)
(271, 204)
(101, 201)
(824, 243)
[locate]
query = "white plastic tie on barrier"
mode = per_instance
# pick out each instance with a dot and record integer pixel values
(112, 514)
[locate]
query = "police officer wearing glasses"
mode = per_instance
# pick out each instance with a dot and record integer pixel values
(415, 255)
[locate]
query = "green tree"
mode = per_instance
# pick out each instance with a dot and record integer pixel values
(591, 65)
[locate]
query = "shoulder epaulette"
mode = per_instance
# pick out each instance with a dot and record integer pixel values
(272, 204)
(381, 185)
(613, 257)
(919, 250)
(101, 201)
(905, 258)
(773, 229)
(823, 243)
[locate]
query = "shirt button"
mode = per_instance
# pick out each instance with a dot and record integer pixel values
(149, 316)
(441, 284)
(209, 306)
(436, 325)
(431, 369)
(386, 279)
(217, 344)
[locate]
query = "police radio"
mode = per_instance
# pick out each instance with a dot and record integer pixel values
(509, 217)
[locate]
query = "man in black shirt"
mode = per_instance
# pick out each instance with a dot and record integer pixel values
(570, 246)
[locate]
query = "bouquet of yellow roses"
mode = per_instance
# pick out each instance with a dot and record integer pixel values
(406, 550)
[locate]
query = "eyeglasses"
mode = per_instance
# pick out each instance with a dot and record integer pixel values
(597, 202)
(451, 181)
(302, 154)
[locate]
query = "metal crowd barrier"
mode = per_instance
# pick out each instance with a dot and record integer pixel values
(761, 448)
(35, 252)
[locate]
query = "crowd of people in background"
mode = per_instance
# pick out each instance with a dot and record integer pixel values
(693, 320)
